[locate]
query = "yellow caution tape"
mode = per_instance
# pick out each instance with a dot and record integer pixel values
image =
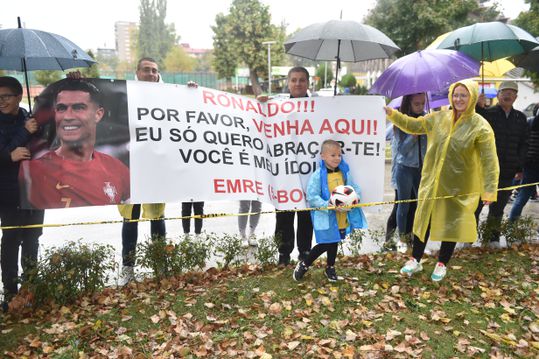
(220, 215)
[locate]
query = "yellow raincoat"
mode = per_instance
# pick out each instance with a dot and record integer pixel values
(149, 210)
(460, 162)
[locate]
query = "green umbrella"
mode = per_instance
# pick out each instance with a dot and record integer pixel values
(489, 41)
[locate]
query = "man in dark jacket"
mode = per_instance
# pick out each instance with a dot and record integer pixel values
(511, 132)
(531, 171)
(15, 133)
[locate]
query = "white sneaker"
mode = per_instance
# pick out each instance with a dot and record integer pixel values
(252, 241)
(402, 247)
(439, 272)
(494, 245)
(411, 267)
(128, 275)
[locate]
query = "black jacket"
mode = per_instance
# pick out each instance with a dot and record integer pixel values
(12, 135)
(532, 158)
(511, 135)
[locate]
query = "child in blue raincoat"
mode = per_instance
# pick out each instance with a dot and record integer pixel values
(330, 226)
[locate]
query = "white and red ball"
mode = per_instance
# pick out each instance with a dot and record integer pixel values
(343, 196)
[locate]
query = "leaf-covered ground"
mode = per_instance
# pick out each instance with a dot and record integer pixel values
(487, 306)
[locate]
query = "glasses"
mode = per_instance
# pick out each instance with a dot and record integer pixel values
(460, 95)
(6, 97)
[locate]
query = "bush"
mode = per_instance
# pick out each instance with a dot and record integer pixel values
(166, 258)
(522, 230)
(63, 274)
(229, 247)
(266, 252)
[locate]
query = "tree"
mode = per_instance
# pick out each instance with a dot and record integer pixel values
(92, 71)
(324, 74)
(155, 37)
(47, 77)
(205, 62)
(177, 60)
(529, 21)
(413, 25)
(348, 80)
(238, 39)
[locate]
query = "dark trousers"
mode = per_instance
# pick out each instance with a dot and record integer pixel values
(495, 211)
(130, 235)
(198, 209)
(446, 249)
(284, 231)
(12, 239)
(319, 249)
(391, 225)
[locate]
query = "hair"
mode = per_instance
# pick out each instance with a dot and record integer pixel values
(149, 59)
(81, 85)
(298, 69)
(329, 143)
(406, 104)
(11, 83)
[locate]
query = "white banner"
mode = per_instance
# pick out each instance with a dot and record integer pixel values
(202, 144)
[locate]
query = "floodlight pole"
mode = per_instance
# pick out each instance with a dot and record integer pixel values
(269, 43)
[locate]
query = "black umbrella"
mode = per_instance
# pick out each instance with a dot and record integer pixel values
(26, 50)
(342, 41)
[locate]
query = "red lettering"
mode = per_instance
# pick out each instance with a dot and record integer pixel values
(326, 127)
(208, 96)
(218, 186)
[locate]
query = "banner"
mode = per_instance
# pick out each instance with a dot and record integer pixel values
(155, 143)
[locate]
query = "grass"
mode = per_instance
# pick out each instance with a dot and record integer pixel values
(486, 306)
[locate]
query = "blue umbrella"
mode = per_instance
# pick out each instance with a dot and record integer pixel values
(26, 50)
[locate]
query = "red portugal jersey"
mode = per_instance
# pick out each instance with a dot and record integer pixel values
(54, 182)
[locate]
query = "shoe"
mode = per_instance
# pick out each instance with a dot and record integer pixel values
(389, 246)
(251, 241)
(303, 255)
(439, 272)
(411, 267)
(299, 271)
(128, 275)
(284, 259)
(331, 274)
(402, 247)
(494, 245)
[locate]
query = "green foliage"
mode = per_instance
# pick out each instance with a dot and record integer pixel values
(413, 25)
(355, 241)
(166, 258)
(65, 273)
(47, 77)
(91, 72)
(177, 60)
(529, 21)
(229, 248)
(266, 251)
(155, 37)
(323, 74)
(348, 80)
(239, 38)
(361, 90)
(521, 231)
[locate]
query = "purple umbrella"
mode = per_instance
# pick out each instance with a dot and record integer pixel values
(422, 71)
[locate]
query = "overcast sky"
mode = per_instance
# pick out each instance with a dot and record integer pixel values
(90, 23)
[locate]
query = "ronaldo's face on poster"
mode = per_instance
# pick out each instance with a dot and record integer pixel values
(76, 116)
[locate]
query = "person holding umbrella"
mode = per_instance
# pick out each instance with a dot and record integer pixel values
(16, 131)
(298, 83)
(460, 166)
(511, 132)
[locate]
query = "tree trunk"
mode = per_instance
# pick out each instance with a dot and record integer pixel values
(253, 76)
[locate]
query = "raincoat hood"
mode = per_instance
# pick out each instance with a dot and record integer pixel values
(473, 89)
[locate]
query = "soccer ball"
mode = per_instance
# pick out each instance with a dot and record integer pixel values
(343, 196)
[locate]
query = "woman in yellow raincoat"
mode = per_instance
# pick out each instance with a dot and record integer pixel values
(460, 165)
